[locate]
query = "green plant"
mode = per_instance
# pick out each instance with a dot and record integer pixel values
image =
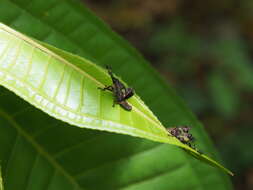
(65, 160)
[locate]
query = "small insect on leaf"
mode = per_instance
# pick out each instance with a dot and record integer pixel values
(120, 92)
(182, 134)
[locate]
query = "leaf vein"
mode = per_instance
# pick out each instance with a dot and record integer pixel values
(39, 148)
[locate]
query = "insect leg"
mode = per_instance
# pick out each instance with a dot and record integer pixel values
(109, 71)
(114, 102)
(110, 88)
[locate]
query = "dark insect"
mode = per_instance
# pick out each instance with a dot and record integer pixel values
(120, 92)
(182, 134)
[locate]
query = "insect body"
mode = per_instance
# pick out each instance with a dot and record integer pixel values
(182, 134)
(120, 92)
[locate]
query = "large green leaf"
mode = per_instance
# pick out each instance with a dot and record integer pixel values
(136, 165)
(66, 87)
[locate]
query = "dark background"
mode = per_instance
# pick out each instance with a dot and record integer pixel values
(204, 49)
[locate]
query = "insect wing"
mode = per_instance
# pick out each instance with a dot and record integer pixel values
(129, 92)
(125, 105)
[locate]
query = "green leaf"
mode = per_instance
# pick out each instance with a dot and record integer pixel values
(224, 95)
(132, 163)
(66, 87)
(235, 59)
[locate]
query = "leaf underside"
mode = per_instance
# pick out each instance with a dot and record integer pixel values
(30, 137)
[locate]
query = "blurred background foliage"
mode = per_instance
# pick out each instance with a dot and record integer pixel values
(204, 49)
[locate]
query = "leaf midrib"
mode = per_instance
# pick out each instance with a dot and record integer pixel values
(39, 149)
(144, 133)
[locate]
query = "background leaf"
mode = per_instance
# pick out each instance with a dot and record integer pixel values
(224, 96)
(236, 143)
(80, 25)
